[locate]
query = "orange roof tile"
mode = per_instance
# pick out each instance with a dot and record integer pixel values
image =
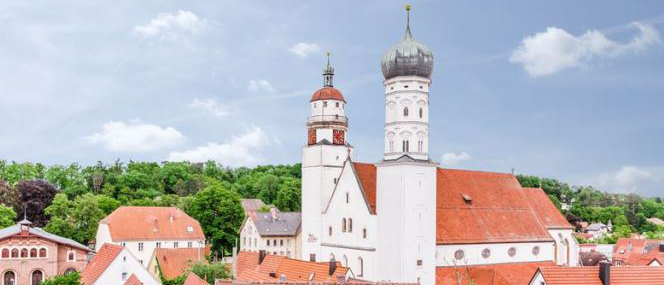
(634, 251)
(545, 210)
(133, 280)
(498, 210)
(193, 279)
(175, 261)
(626, 275)
(497, 274)
(152, 223)
(99, 263)
(327, 93)
(294, 270)
(366, 173)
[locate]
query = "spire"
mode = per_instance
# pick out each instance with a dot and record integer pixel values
(328, 72)
(408, 34)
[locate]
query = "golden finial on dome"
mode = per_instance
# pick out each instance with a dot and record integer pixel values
(408, 7)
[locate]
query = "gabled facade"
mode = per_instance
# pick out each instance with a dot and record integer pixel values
(276, 233)
(115, 264)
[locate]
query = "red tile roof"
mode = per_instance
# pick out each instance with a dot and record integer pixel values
(498, 274)
(133, 280)
(498, 211)
(366, 173)
(248, 269)
(545, 210)
(632, 251)
(152, 223)
(175, 261)
(327, 93)
(626, 275)
(193, 279)
(99, 263)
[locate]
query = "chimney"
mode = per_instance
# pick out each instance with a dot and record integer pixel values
(661, 247)
(273, 274)
(333, 266)
(273, 212)
(605, 272)
(261, 256)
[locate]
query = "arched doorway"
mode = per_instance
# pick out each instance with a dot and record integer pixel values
(37, 277)
(69, 270)
(9, 278)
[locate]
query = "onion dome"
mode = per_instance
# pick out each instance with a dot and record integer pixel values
(407, 57)
(328, 92)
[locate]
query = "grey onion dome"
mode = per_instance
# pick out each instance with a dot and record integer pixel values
(407, 58)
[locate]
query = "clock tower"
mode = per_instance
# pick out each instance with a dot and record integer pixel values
(322, 159)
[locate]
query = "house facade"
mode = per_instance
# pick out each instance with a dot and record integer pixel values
(29, 255)
(143, 229)
(277, 233)
(114, 264)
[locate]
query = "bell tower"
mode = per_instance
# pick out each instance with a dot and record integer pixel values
(322, 159)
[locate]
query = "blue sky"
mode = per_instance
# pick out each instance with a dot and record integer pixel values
(565, 89)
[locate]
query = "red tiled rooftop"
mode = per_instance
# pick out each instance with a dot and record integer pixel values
(193, 279)
(497, 274)
(626, 275)
(294, 270)
(133, 280)
(546, 211)
(150, 223)
(173, 262)
(99, 263)
(327, 93)
(366, 173)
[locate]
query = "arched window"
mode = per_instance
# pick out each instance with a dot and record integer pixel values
(420, 145)
(33, 253)
(15, 253)
(350, 225)
(329, 231)
(5, 253)
(71, 256)
(24, 253)
(405, 111)
(344, 261)
(343, 225)
(421, 113)
(404, 146)
(347, 197)
(37, 277)
(42, 252)
(360, 263)
(9, 278)
(364, 233)
(391, 146)
(70, 270)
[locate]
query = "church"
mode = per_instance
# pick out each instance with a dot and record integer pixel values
(404, 218)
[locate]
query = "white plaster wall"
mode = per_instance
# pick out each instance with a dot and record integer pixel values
(406, 222)
(150, 245)
(499, 253)
(127, 263)
(318, 109)
(560, 236)
(103, 236)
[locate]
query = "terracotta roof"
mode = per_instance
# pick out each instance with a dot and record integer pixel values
(175, 261)
(366, 173)
(294, 270)
(626, 275)
(497, 210)
(100, 262)
(545, 210)
(152, 223)
(634, 250)
(498, 274)
(193, 279)
(133, 280)
(350, 282)
(591, 258)
(327, 93)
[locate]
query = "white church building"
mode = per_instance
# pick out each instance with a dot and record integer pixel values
(404, 218)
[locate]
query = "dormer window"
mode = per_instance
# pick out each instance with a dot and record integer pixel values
(467, 199)
(190, 229)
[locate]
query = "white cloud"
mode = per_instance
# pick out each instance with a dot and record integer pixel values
(241, 150)
(555, 49)
(257, 85)
(169, 26)
(135, 137)
(304, 49)
(627, 178)
(209, 106)
(454, 159)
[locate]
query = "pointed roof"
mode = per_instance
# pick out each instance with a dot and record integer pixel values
(16, 229)
(249, 269)
(152, 223)
(175, 261)
(407, 57)
(193, 279)
(623, 275)
(545, 210)
(100, 262)
(133, 280)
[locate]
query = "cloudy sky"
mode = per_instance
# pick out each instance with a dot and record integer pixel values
(572, 90)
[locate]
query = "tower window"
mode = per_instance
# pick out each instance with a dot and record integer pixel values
(420, 113)
(364, 233)
(420, 145)
(347, 197)
(343, 225)
(350, 225)
(324, 103)
(405, 112)
(329, 231)
(404, 146)
(405, 86)
(314, 105)
(337, 104)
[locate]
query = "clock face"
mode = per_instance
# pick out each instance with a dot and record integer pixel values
(338, 137)
(312, 136)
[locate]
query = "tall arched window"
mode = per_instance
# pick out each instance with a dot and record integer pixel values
(421, 113)
(5, 253)
(404, 146)
(33, 253)
(37, 277)
(15, 253)
(405, 111)
(343, 225)
(329, 230)
(42, 252)
(360, 263)
(24, 253)
(344, 261)
(9, 278)
(364, 233)
(391, 146)
(350, 225)
(420, 145)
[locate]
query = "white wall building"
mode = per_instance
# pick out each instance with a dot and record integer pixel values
(277, 233)
(404, 219)
(142, 229)
(115, 264)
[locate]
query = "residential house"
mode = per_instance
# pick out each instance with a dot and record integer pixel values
(170, 263)
(592, 258)
(143, 229)
(656, 221)
(277, 233)
(262, 267)
(29, 255)
(604, 274)
(638, 252)
(114, 264)
(193, 279)
(597, 230)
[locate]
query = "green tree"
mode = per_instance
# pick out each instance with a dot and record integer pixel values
(67, 279)
(268, 187)
(77, 220)
(289, 195)
(211, 271)
(7, 216)
(220, 213)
